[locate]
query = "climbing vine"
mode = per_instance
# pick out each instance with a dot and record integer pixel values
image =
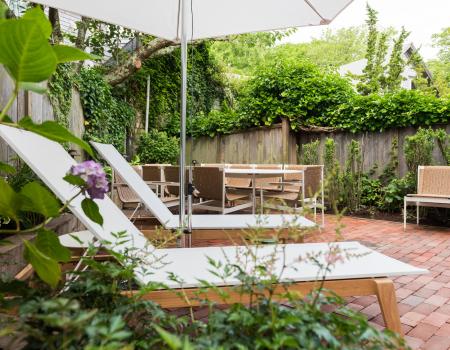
(206, 87)
(107, 117)
(60, 92)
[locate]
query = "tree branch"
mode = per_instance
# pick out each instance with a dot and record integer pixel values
(53, 16)
(156, 47)
(133, 63)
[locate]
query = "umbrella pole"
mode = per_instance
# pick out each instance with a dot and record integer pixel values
(182, 210)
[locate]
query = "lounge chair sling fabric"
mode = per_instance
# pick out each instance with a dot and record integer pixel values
(50, 162)
(152, 202)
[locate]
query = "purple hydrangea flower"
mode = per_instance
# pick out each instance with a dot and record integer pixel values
(94, 176)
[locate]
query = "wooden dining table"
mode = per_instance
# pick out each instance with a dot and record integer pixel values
(255, 173)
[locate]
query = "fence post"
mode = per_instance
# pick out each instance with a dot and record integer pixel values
(285, 133)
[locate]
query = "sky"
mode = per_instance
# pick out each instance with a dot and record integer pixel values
(422, 18)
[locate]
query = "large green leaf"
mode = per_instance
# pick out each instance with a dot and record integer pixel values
(35, 87)
(91, 210)
(55, 132)
(25, 51)
(48, 243)
(37, 15)
(68, 54)
(39, 200)
(47, 269)
(10, 201)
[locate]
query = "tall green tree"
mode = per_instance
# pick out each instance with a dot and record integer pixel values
(440, 67)
(379, 76)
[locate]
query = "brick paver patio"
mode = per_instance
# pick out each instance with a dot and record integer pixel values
(424, 301)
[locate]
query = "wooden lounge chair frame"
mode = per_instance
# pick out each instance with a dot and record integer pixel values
(433, 190)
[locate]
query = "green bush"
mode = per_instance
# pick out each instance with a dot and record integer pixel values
(157, 147)
(310, 153)
(299, 91)
(418, 149)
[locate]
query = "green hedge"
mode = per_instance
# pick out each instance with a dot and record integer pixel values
(307, 96)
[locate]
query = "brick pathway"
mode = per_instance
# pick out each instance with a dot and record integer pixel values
(424, 301)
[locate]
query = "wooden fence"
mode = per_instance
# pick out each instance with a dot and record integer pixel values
(273, 144)
(278, 144)
(38, 107)
(375, 146)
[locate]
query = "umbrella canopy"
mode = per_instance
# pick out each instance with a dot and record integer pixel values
(186, 20)
(207, 18)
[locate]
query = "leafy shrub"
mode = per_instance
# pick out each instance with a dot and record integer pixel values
(371, 192)
(107, 118)
(351, 178)
(332, 173)
(298, 90)
(418, 149)
(310, 153)
(157, 147)
(443, 141)
(394, 192)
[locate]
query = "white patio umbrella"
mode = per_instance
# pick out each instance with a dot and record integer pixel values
(187, 20)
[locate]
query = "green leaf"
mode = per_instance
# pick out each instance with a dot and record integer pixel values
(48, 243)
(25, 50)
(37, 15)
(39, 200)
(171, 340)
(74, 180)
(47, 269)
(3, 11)
(35, 87)
(92, 211)
(6, 168)
(10, 201)
(68, 54)
(54, 131)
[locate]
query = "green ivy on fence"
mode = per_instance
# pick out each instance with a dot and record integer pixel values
(107, 118)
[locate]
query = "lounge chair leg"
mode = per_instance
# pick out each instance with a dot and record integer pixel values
(315, 211)
(187, 240)
(388, 304)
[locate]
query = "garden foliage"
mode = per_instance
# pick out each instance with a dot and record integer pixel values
(108, 119)
(309, 96)
(157, 147)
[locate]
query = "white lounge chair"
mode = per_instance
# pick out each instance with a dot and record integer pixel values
(366, 275)
(198, 222)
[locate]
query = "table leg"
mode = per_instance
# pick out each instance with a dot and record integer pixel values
(254, 193)
(388, 304)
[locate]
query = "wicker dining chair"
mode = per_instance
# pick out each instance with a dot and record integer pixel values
(433, 190)
(214, 195)
(299, 190)
(128, 198)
